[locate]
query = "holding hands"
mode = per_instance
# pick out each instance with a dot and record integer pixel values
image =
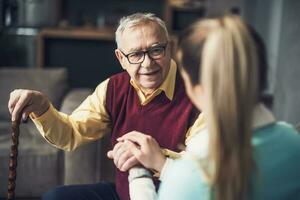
(135, 147)
(122, 156)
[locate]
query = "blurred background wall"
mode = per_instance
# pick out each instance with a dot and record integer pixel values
(278, 23)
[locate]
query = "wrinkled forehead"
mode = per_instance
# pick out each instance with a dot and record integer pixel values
(146, 34)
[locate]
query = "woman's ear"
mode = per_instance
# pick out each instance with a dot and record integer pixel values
(194, 92)
(199, 96)
(187, 81)
(198, 89)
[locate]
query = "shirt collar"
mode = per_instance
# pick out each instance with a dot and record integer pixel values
(168, 86)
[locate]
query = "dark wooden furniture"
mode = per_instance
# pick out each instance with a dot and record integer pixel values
(74, 33)
(87, 53)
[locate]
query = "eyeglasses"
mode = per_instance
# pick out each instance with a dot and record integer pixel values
(154, 53)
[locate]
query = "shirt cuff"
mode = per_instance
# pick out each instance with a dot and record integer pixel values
(45, 121)
(171, 154)
(45, 116)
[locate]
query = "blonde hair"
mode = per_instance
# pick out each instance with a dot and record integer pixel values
(229, 75)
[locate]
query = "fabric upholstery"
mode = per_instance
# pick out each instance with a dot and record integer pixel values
(50, 81)
(40, 165)
(38, 162)
(82, 159)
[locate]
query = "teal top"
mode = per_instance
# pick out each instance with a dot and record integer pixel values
(276, 153)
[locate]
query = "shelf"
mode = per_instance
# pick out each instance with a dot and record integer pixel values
(105, 33)
(186, 4)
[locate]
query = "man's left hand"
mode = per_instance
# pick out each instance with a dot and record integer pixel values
(122, 156)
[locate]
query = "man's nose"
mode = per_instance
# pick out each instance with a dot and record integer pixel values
(147, 61)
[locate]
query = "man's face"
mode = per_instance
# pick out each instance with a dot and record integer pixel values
(150, 73)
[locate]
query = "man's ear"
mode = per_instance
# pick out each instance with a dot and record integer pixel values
(120, 57)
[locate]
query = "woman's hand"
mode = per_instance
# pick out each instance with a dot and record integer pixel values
(145, 149)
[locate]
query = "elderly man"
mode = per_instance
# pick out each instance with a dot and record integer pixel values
(148, 97)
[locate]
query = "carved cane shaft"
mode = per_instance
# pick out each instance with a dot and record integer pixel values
(12, 174)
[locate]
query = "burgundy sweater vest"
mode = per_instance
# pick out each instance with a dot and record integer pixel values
(166, 121)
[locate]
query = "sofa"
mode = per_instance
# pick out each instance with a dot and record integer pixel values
(40, 165)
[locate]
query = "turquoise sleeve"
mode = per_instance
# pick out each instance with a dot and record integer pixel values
(183, 181)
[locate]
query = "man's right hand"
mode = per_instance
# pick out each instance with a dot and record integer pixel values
(23, 102)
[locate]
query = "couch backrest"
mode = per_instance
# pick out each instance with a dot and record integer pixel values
(50, 81)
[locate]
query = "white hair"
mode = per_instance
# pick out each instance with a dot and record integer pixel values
(138, 19)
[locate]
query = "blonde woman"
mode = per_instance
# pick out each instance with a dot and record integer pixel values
(244, 153)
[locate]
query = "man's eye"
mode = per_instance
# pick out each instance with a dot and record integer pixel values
(136, 54)
(156, 51)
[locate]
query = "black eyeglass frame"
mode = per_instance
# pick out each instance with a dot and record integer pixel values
(163, 46)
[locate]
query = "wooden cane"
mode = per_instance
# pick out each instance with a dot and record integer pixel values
(13, 158)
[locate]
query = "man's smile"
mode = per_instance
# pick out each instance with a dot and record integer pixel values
(149, 73)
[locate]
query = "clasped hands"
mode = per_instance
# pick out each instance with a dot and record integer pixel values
(135, 148)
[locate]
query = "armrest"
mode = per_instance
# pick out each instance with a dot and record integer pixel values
(79, 165)
(73, 99)
(88, 163)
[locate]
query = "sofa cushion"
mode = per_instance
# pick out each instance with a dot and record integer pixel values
(50, 81)
(74, 98)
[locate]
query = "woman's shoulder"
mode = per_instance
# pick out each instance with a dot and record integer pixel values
(279, 132)
(198, 144)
